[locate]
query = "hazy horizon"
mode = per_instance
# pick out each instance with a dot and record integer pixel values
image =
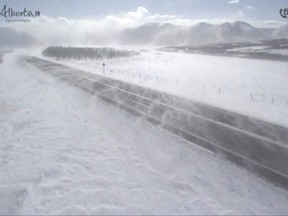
(78, 21)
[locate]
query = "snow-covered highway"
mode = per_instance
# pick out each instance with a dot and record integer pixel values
(249, 142)
(64, 151)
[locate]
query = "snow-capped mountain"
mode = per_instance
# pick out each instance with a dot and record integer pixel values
(238, 31)
(10, 38)
(281, 32)
(166, 34)
(201, 33)
(144, 34)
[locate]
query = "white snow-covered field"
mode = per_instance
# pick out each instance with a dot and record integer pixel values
(253, 87)
(63, 151)
(279, 51)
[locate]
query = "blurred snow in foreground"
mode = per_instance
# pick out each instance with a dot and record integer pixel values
(63, 151)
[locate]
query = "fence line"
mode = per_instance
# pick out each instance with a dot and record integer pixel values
(254, 97)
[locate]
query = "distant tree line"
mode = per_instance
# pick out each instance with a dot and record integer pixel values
(79, 53)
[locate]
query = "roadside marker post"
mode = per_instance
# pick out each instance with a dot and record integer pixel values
(103, 68)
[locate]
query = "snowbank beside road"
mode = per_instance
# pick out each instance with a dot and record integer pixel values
(65, 152)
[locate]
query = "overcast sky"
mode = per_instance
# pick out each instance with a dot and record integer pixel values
(86, 19)
(189, 9)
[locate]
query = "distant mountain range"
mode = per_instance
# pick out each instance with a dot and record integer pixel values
(10, 38)
(201, 33)
(166, 35)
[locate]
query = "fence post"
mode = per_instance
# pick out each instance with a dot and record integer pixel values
(251, 95)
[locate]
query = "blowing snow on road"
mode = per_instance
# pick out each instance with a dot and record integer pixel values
(64, 151)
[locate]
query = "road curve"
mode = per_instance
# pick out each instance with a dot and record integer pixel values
(259, 146)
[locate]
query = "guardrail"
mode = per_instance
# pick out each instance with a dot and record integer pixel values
(259, 146)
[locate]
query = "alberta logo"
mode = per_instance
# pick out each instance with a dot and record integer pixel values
(12, 15)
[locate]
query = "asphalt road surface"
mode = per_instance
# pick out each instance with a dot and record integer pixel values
(259, 146)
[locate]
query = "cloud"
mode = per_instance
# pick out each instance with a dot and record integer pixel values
(65, 31)
(140, 12)
(158, 17)
(248, 7)
(233, 1)
(62, 30)
(240, 13)
(273, 23)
